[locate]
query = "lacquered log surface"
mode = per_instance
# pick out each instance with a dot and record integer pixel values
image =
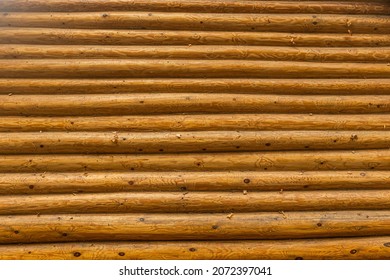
(199, 129)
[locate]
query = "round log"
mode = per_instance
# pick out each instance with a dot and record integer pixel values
(262, 161)
(141, 68)
(203, 6)
(362, 248)
(193, 141)
(100, 182)
(295, 23)
(213, 122)
(202, 202)
(58, 36)
(142, 226)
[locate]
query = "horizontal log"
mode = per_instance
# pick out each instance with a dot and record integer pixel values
(99, 182)
(202, 202)
(164, 103)
(216, 122)
(130, 227)
(58, 36)
(271, 161)
(203, 6)
(154, 68)
(304, 23)
(331, 249)
(339, 87)
(196, 52)
(183, 141)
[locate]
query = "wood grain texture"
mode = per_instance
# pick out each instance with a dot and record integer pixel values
(142, 226)
(373, 248)
(202, 202)
(319, 23)
(12, 51)
(197, 141)
(213, 122)
(339, 87)
(203, 6)
(167, 103)
(262, 161)
(101, 182)
(136, 68)
(58, 36)
(199, 129)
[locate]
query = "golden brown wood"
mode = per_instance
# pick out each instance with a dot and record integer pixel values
(164, 103)
(142, 226)
(320, 23)
(203, 202)
(339, 87)
(261, 161)
(196, 52)
(199, 129)
(58, 36)
(193, 141)
(98, 182)
(215, 122)
(204, 6)
(135, 68)
(331, 249)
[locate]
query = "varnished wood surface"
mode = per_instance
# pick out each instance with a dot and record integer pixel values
(137, 68)
(203, 6)
(116, 181)
(368, 248)
(299, 23)
(339, 87)
(202, 202)
(197, 122)
(181, 142)
(378, 54)
(63, 36)
(363, 160)
(173, 129)
(130, 227)
(188, 103)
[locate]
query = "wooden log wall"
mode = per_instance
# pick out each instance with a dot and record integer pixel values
(194, 129)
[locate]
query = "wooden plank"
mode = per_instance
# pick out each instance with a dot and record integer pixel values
(100, 182)
(142, 226)
(190, 202)
(331, 249)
